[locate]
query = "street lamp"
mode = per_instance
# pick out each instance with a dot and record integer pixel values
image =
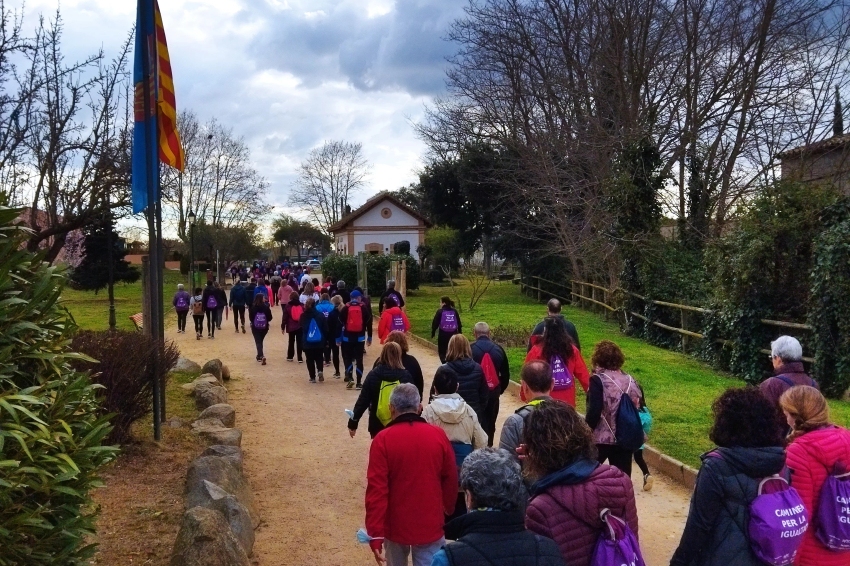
(191, 218)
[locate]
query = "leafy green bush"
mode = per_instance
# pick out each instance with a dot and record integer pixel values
(511, 335)
(345, 267)
(51, 425)
(339, 267)
(127, 365)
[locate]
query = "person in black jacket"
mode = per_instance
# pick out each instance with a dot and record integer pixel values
(496, 533)
(342, 292)
(447, 322)
(313, 338)
(484, 345)
(389, 369)
(749, 448)
(260, 316)
(472, 385)
(391, 292)
(210, 301)
(221, 298)
(356, 319)
(238, 302)
(334, 330)
(554, 310)
(410, 363)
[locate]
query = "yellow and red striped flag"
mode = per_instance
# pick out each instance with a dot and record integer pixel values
(170, 148)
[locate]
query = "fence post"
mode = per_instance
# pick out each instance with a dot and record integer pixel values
(684, 336)
(538, 288)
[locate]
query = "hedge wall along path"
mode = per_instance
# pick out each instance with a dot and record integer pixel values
(679, 389)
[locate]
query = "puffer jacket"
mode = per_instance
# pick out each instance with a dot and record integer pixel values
(457, 419)
(716, 530)
(472, 385)
(565, 507)
(811, 458)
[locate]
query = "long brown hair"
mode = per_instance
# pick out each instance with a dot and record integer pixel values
(391, 356)
(458, 349)
(807, 407)
(556, 341)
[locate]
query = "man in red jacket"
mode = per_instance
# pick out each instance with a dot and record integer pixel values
(412, 484)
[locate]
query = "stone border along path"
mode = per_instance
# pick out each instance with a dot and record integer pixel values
(309, 477)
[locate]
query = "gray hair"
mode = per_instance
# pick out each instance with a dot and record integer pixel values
(493, 478)
(481, 329)
(554, 306)
(787, 348)
(391, 283)
(340, 284)
(405, 398)
(180, 286)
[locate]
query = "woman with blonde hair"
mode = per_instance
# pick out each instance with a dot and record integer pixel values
(817, 450)
(472, 385)
(377, 386)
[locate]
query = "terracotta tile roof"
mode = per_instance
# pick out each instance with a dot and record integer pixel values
(822, 146)
(370, 204)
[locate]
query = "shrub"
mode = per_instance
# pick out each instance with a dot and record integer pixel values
(51, 424)
(345, 267)
(127, 363)
(401, 248)
(510, 335)
(339, 267)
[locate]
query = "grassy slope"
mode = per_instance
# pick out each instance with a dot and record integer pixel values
(679, 389)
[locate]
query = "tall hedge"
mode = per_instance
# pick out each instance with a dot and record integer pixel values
(50, 432)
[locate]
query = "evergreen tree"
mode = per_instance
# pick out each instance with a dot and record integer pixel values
(92, 274)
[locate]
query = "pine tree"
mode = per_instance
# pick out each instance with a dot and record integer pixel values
(92, 274)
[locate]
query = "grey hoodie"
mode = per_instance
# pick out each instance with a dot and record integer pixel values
(460, 423)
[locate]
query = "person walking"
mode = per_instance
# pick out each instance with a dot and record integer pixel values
(309, 293)
(314, 335)
(334, 334)
(472, 384)
(447, 322)
(570, 488)
(495, 532)
(786, 355)
(749, 449)
(276, 282)
(356, 319)
(818, 449)
(410, 363)
(260, 316)
(291, 325)
(238, 302)
(181, 306)
(210, 308)
(411, 483)
(535, 386)
(326, 307)
(196, 305)
(221, 299)
(391, 293)
(493, 359)
(607, 386)
(448, 411)
(283, 293)
(393, 319)
(343, 292)
(375, 394)
(557, 349)
(553, 309)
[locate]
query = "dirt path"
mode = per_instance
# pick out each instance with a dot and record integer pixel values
(309, 477)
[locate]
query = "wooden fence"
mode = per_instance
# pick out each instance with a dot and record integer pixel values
(589, 295)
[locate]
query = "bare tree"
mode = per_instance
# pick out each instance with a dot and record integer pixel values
(327, 179)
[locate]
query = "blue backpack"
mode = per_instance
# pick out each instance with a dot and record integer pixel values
(314, 333)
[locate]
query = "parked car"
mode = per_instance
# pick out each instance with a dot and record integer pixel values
(314, 264)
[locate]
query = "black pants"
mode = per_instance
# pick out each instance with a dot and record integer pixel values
(276, 288)
(219, 316)
(199, 323)
(641, 462)
(314, 361)
(259, 336)
(443, 344)
(332, 352)
(239, 313)
(616, 456)
(211, 316)
(491, 413)
(181, 320)
(294, 340)
(352, 357)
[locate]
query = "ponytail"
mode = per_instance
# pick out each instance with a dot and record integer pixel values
(448, 302)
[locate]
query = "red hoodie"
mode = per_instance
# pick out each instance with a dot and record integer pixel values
(577, 368)
(385, 325)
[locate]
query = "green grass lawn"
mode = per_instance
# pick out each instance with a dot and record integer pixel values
(91, 311)
(679, 389)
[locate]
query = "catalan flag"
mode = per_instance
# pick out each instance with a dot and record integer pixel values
(155, 136)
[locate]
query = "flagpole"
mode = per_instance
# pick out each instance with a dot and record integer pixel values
(160, 292)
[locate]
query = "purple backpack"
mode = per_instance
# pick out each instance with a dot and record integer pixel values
(778, 520)
(448, 321)
(260, 322)
(617, 545)
(833, 527)
(211, 302)
(561, 376)
(182, 302)
(397, 323)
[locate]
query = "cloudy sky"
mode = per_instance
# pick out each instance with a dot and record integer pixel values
(288, 74)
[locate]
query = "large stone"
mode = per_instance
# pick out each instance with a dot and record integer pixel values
(209, 396)
(185, 364)
(223, 412)
(213, 367)
(223, 436)
(225, 373)
(213, 496)
(224, 475)
(207, 378)
(207, 424)
(205, 539)
(232, 454)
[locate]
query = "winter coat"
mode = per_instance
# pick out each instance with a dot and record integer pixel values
(385, 324)
(484, 345)
(306, 317)
(399, 300)
(435, 324)
(367, 323)
(209, 290)
(603, 402)
(345, 294)
(457, 419)
(511, 436)
(411, 364)
(784, 378)
(368, 398)
(489, 538)
(252, 312)
(220, 297)
(411, 482)
(283, 294)
(575, 366)
(472, 385)
(303, 298)
(565, 507)
(334, 326)
(716, 530)
(325, 307)
(290, 323)
(811, 459)
(238, 296)
(568, 326)
(186, 298)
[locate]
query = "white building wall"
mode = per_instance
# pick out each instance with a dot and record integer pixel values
(398, 217)
(386, 239)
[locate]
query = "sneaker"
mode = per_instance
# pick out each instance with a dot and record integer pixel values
(243, 330)
(312, 381)
(198, 336)
(337, 376)
(648, 482)
(209, 334)
(237, 331)
(300, 361)
(358, 386)
(321, 376)
(349, 385)
(289, 360)
(348, 378)
(264, 361)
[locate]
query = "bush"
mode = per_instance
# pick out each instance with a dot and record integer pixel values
(510, 335)
(51, 424)
(345, 267)
(128, 362)
(401, 248)
(341, 267)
